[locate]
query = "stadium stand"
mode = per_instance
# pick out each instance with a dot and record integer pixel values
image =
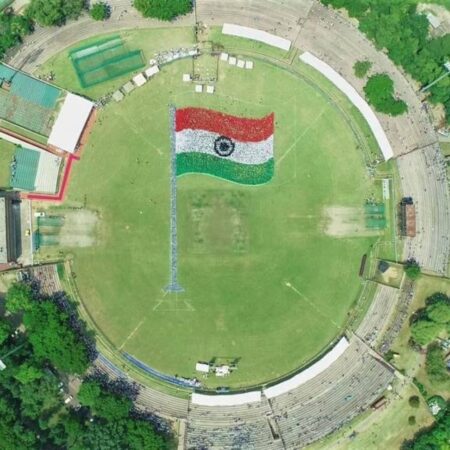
(29, 88)
(47, 278)
(330, 400)
(423, 176)
(231, 427)
(351, 93)
(27, 101)
(24, 169)
(377, 318)
(35, 170)
(310, 372)
(148, 399)
(47, 173)
(337, 42)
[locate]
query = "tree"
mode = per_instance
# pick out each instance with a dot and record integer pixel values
(56, 341)
(163, 9)
(100, 11)
(104, 404)
(54, 12)
(379, 91)
(412, 420)
(439, 313)
(361, 68)
(28, 373)
(435, 438)
(403, 33)
(424, 331)
(19, 298)
(414, 401)
(412, 269)
(5, 331)
(12, 30)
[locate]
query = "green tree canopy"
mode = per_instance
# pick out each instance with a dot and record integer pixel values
(5, 331)
(163, 9)
(439, 313)
(425, 331)
(379, 91)
(54, 12)
(56, 341)
(28, 373)
(12, 29)
(19, 298)
(100, 11)
(104, 404)
(399, 29)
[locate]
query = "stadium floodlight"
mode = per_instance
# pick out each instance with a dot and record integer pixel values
(447, 68)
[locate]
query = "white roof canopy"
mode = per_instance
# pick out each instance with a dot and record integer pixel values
(226, 400)
(70, 123)
(256, 35)
(310, 372)
(352, 94)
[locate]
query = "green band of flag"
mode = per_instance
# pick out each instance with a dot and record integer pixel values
(252, 174)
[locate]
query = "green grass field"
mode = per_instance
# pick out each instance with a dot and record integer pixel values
(266, 285)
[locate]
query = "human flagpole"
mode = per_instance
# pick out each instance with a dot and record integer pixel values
(173, 285)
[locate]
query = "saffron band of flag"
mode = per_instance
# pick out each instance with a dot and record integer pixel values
(234, 148)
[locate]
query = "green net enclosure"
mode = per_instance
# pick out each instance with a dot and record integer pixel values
(104, 60)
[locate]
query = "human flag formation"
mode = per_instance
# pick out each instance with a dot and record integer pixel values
(234, 148)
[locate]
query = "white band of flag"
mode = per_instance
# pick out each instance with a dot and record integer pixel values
(202, 141)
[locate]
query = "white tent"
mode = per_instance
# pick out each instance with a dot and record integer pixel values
(70, 123)
(153, 70)
(139, 80)
(202, 367)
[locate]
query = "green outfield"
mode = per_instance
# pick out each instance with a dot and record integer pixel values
(270, 272)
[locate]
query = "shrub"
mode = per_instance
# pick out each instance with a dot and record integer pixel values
(414, 401)
(163, 9)
(412, 269)
(412, 420)
(361, 68)
(379, 91)
(435, 364)
(100, 11)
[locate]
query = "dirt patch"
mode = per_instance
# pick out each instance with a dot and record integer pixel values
(344, 222)
(79, 229)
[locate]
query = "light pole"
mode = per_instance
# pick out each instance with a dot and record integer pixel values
(14, 350)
